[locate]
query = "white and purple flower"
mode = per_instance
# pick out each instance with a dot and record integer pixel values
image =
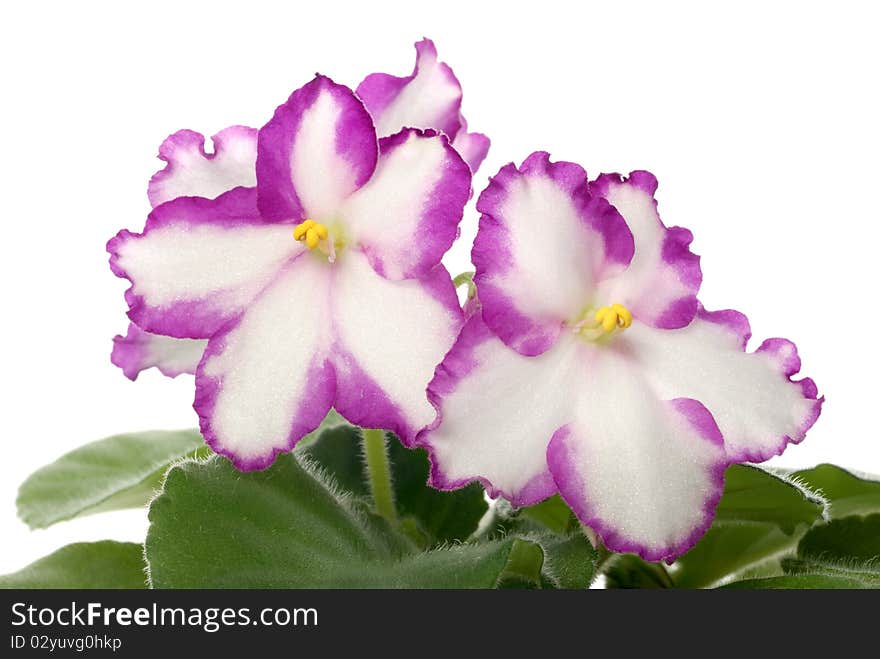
(592, 370)
(429, 98)
(321, 287)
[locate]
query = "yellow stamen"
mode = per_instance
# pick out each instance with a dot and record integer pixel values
(613, 317)
(300, 230)
(312, 239)
(311, 232)
(624, 317)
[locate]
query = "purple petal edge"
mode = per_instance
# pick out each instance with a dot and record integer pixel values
(130, 354)
(536, 490)
(441, 215)
(473, 147)
(355, 139)
(734, 321)
(456, 365)
(187, 139)
(789, 365)
(188, 319)
(675, 250)
(561, 467)
(362, 401)
(312, 410)
(379, 90)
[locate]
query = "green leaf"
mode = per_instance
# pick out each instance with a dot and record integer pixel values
(728, 549)
(105, 564)
(866, 575)
(844, 553)
(333, 420)
(569, 562)
(439, 516)
(552, 513)
(458, 567)
(630, 571)
(844, 540)
(523, 569)
(798, 581)
(338, 452)
(755, 495)
(123, 471)
(847, 494)
(288, 527)
(444, 516)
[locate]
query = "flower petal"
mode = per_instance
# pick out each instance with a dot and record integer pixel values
(428, 98)
(191, 172)
(267, 380)
(391, 335)
(139, 350)
(496, 412)
(318, 148)
(660, 285)
(757, 405)
(199, 262)
(407, 216)
(543, 245)
(472, 147)
(645, 474)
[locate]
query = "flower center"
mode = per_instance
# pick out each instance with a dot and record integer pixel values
(604, 322)
(317, 236)
(310, 232)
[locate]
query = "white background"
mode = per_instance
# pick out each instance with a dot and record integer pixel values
(760, 120)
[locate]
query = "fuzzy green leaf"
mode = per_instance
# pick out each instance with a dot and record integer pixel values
(846, 548)
(844, 553)
(796, 581)
(438, 517)
(289, 527)
(630, 571)
(523, 569)
(754, 495)
(569, 561)
(123, 471)
(847, 493)
(105, 564)
(728, 549)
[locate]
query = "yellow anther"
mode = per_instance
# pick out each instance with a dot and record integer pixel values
(300, 230)
(624, 317)
(311, 232)
(606, 318)
(312, 239)
(613, 317)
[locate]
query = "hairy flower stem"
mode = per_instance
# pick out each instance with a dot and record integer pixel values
(379, 473)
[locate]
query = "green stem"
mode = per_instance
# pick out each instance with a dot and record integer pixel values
(379, 473)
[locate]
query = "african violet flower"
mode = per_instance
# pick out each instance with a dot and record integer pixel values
(593, 371)
(430, 98)
(320, 287)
